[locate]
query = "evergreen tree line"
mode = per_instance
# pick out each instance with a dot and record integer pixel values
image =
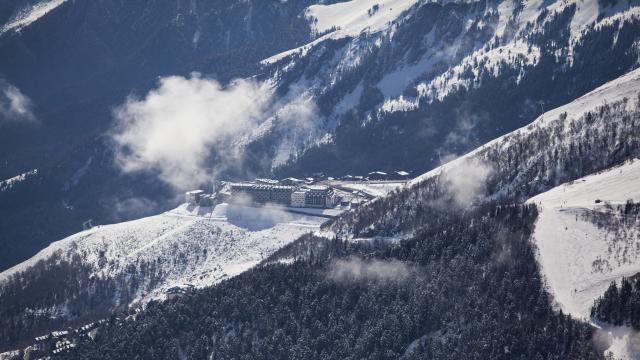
(620, 305)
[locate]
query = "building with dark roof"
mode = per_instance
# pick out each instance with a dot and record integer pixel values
(320, 197)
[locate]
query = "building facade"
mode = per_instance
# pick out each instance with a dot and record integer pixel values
(320, 197)
(298, 198)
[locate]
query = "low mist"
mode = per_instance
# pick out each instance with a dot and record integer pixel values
(357, 269)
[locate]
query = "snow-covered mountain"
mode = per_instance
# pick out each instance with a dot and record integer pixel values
(591, 147)
(375, 67)
(142, 259)
(187, 246)
(542, 97)
(357, 86)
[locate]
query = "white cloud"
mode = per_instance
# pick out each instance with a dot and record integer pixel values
(356, 269)
(14, 105)
(466, 180)
(181, 123)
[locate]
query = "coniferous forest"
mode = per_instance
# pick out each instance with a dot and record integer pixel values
(466, 289)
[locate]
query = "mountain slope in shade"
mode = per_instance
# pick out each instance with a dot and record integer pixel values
(626, 86)
(379, 78)
(579, 259)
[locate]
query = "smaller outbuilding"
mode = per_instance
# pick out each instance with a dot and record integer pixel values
(267, 181)
(378, 175)
(291, 181)
(401, 175)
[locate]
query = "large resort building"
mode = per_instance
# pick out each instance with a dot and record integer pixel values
(262, 193)
(304, 196)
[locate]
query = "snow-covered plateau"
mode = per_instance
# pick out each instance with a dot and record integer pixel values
(187, 246)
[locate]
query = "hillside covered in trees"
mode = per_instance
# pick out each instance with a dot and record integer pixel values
(464, 289)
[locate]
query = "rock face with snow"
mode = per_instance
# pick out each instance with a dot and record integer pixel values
(30, 14)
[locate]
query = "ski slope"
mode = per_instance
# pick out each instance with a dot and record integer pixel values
(572, 249)
(578, 259)
(192, 246)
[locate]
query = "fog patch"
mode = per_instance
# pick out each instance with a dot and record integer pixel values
(130, 208)
(357, 269)
(462, 136)
(15, 106)
(242, 214)
(620, 342)
(296, 123)
(503, 247)
(466, 180)
(177, 126)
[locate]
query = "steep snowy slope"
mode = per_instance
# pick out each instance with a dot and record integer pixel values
(579, 256)
(580, 259)
(347, 19)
